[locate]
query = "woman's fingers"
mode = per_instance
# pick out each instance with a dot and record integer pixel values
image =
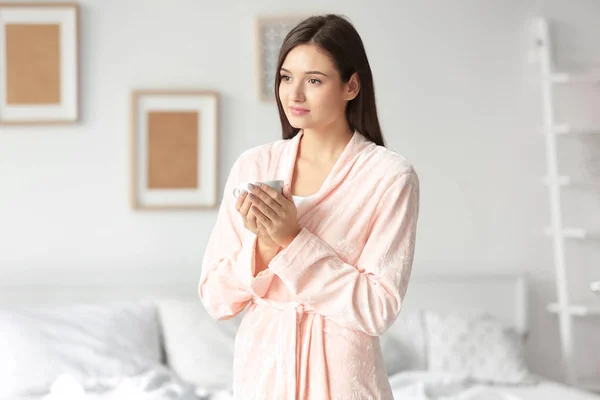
(243, 205)
(246, 203)
(274, 194)
(266, 198)
(264, 209)
(260, 217)
(240, 200)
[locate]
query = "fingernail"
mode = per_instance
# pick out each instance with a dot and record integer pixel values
(250, 186)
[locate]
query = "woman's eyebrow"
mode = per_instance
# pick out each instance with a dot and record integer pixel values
(307, 72)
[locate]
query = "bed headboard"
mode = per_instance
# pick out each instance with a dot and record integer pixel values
(59, 294)
(502, 295)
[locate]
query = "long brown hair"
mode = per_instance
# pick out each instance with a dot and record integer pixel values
(336, 35)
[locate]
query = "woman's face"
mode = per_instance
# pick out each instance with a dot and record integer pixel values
(311, 90)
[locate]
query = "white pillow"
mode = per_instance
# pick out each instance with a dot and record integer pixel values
(39, 344)
(403, 344)
(423, 385)
(479, 347)
(198, 348)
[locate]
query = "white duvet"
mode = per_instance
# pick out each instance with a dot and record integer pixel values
(423, 385)
(417, 385)
(163, 384)
(153, 384)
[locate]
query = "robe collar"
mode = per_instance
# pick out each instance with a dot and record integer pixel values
(354, 148)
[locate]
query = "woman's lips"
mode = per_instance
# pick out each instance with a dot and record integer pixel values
(299, 111)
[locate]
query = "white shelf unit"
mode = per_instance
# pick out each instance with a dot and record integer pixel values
(585, 78)
(565, 129)
(555, 182)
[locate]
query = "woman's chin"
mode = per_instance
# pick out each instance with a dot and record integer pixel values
(299, 123)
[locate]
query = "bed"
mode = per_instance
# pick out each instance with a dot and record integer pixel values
(471, 297)
(153, 341)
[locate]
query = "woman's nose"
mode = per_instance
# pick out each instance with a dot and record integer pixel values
(297, 93)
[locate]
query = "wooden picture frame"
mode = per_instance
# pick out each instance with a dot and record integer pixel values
(270, 33)
(39, 63)
(174, 145)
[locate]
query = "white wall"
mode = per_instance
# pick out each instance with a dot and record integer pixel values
(456, 95)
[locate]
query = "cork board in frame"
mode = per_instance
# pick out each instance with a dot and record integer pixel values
(270, 33)
(174, 149)
(39, 63)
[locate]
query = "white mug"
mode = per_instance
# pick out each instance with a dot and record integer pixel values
(275, 184)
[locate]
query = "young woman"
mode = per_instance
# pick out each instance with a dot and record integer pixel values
(323, 267)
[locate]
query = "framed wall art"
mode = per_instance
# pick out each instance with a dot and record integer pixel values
(174, 140)
(270, 33)
(39, 63)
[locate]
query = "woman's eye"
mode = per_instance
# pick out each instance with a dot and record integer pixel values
(314, 81)
(285, 78)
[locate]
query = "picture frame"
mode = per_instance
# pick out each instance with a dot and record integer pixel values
(270, 33)
(39, 63)
(174, 149)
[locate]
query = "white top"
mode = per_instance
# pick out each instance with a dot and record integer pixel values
(300, 199)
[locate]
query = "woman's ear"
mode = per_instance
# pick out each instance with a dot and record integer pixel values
(352, 88)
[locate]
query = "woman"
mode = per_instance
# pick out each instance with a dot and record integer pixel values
(322, 278)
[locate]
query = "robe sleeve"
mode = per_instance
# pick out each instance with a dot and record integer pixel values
(366, 297)
(226, 282)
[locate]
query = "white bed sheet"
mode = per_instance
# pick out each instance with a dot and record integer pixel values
(158, 383)
(542, 391)
(548, 391)
(423, 385)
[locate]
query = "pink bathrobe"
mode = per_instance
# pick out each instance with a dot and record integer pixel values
(314, 315)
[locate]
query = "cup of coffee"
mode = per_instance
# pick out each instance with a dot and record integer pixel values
(275, 184)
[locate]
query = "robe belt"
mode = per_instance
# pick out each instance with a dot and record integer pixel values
(288, 350)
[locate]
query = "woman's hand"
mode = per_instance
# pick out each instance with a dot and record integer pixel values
(250, 222)
(276, 212)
